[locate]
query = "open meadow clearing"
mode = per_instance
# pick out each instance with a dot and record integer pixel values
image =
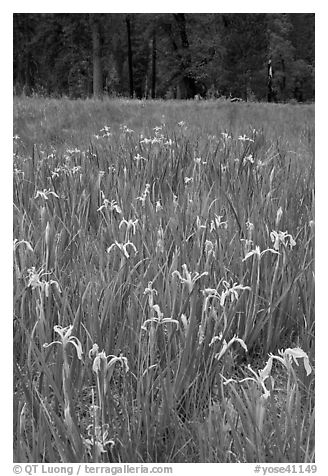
(163, 281)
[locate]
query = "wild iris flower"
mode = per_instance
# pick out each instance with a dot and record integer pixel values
(188, 278)
(67, 338)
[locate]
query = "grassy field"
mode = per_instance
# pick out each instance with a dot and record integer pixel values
(163, 281)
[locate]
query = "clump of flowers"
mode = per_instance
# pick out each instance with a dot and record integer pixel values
(248, 241)
(218, 223)
(245, 139)
(101, 364)
(123, 248)
(199, 161)
(66, 338)
(226, 345)
(257, 252)
(103, 367)
(130, 224)
(158, 206)
(45, 194)
(98, 438)
(209, 249)
(109, 205)
(286, 357)
(159, 318)
(282, 238)
(35, 281)
(231, 292)
(105, 133)
(144, 194)
(66, 170)
(187, 278)
(159, 138)
(155, 309)
(248, 159)
(65, 334)
(125, 130)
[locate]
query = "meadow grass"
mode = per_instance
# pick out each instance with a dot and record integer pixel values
(163, 281)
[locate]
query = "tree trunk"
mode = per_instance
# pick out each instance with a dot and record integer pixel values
(128, 28)
(27, 83)
(270, 78)
(187, 84)
(153, 67)
(283, 80)
(96, 58)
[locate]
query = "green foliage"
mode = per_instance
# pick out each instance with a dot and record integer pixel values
(206, 54)
(161, 247)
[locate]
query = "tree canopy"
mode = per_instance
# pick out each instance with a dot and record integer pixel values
(180, 55)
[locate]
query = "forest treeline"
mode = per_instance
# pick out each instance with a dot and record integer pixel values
(168, 55)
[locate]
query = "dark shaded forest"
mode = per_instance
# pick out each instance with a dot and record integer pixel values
(252, 57)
